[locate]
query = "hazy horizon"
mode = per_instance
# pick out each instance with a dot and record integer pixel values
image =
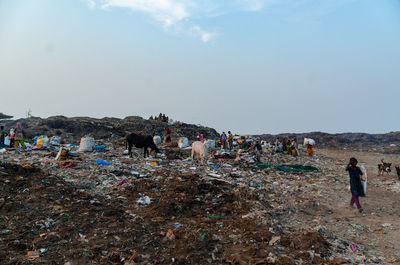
(249, 66)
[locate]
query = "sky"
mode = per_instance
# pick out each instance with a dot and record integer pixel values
(249, 66)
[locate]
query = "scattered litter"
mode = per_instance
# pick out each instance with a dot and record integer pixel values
(144, 200)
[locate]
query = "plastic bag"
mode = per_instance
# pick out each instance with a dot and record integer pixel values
(55, 140)
(211, 144)
(157, 140)
(364, 179)
(42, 141)
(7, 141)
(308, 141)
(183, 142)
(102, 162)
(86, 144)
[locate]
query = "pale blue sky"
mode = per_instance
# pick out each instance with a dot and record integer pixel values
(250, 66)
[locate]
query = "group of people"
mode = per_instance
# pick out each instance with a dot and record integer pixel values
(161, 118)
(288, 145)
(200, 137)
(226, 140)
(15, 136)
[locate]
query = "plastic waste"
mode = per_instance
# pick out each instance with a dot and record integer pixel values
(86, 144)
(123, 182)
(62, 153)
(183, 142)
(7, 141)
(157, 140)
(55, 140)
(41, 141)
(32, 255)
(364, 178)
(102, 162)
(144, 200)
(309, 141)
(170, 235)
(100, 148)
(354, 248)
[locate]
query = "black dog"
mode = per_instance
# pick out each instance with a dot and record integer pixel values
(140, 141)
(398, 172)
(384, 167)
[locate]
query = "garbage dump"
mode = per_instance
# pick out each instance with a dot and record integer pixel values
(100, 206)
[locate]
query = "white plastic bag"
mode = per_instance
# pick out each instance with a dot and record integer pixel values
(157, 140)
(55, 140)
(365, 175)
(183, 142)
(144, 200)
(308, 141)
(7, 141)
(86, 144)
(210, 144)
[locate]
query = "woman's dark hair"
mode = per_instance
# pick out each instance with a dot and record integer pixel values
(353, 160)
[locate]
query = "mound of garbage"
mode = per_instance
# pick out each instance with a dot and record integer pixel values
(77, 127)
(4, 116)
(342, 140)
(180, 218)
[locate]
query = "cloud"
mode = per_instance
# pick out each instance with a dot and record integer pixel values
(168, 12)
(204, 35)
(252, 5)
(91, 3)
(180, 14)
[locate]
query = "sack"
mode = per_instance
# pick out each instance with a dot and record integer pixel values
(364, 178)
(308, 141)
(42, 141)
(7, 141)
(183, 142)
(157, 140)
(86, 144)
(211, 144)
(55, 140)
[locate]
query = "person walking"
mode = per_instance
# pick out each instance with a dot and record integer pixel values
(357, 190)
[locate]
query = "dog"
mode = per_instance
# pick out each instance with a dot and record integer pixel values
(384, 167)
(398, 172)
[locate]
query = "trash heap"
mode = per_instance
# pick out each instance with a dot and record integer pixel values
(62, 206)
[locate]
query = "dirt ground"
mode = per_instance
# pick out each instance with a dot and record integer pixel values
(379, 227)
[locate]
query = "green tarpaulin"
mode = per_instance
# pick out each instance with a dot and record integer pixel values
(291, 168)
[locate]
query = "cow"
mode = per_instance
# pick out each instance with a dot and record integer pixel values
(200, 149)
(140, 141)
